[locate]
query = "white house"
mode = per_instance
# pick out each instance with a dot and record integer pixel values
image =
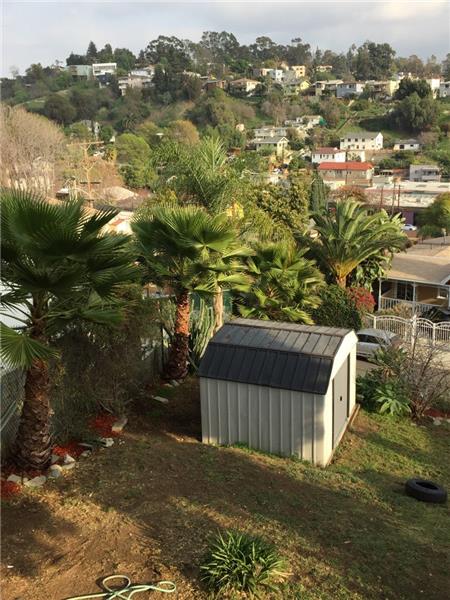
(327, 87)
(424, 173)
(299, 70)
(412, 145)
(347, 173)
(137, 79)
(362, 140)
(348, 89)
(270, 132)
(444, 89)
(435, 84)
(324, 68)
(104, 69)
(327, 154)
(279, 144)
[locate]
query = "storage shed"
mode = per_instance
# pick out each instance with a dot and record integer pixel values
(278, 387)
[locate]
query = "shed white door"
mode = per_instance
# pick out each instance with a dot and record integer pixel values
(340, 401)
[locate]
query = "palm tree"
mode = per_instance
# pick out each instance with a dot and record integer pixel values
(188, 250)
(57, 266)
(285, 285)
(350, 235)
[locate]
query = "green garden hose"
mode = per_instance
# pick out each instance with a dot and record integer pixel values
(128, 591)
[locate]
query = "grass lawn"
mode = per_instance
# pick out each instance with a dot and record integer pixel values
(147, 506)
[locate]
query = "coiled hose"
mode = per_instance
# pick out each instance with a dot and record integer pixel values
(128, 591)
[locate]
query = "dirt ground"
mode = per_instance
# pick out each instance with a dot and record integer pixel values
(147, 506)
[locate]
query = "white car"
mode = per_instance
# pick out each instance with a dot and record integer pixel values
(409, 227)
(371, 340)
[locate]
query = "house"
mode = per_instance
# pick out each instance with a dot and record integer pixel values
(307, 121)
(326, 88)
(424, 173)
(324, 68)
(349, 89)
(213, 84)
(260, 72)
(362, 140)
(137, 79)
(346, 173)
(270, 132)
(299, 70)
(409, 198)
(413, 145)
(243, 86)
(99, 69)
(418, 277)
(278, 387)
(444, 89)
(80, 71)
(382, 89)
(326, 154)
(435, 85)
(292, 86)
(278, 144)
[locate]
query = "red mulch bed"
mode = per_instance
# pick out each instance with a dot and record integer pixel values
(72, 448)
(9, 489)
(437, 414)
(102, 425)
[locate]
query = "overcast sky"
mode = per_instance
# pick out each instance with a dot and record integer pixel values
(41, 31)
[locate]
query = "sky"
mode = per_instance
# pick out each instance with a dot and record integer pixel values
(41, 31)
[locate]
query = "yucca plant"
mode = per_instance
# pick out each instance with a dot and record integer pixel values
(238, 563)
(58, 265)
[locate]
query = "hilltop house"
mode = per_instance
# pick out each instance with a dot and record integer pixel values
(326, 154)
(418, 277)
(444, 89)
(338, 174)
(349, 89)
(270, 132)
(424, 173)
(324, 68)
(324, 87)
(136, 79)
(243, 86)
(278, 144)
(412, 145)
(363, 140)
(80, 71)
(307, 121)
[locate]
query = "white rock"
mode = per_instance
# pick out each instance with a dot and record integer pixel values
(161, 399)
(168, 384)
(175, 383)
(15, 478)
(119, 425)
(86, 453)
(55, 471)
(55, 458)
(68, 466)
(437, 421)
(36, 481)
(68, 459)
(107, 442)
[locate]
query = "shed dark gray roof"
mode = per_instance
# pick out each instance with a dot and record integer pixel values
(281, 355)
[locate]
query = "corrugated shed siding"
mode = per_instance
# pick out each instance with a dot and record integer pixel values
(273, 420)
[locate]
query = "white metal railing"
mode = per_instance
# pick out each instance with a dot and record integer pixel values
(387, 303)
(409, 329)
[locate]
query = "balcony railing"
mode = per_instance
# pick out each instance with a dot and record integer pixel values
(417, 308)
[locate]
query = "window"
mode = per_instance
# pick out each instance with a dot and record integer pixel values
(404, 291)
(442, 293)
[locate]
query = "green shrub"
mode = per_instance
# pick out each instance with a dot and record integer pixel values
(391, 399)
(240, 564)
(338, 309)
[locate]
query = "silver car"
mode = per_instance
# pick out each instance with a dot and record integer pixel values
(371, 340)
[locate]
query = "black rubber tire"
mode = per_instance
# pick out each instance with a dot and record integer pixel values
(426, 491)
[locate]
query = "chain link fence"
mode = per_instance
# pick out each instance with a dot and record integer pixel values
(11, 393)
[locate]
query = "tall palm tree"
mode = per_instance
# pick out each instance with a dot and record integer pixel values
(188, 250)
(350, 235)
(57, 266)
(285, 286)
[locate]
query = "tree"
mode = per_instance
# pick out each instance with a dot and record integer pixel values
(285, 284)
(131, 148)
(183, 131)
(169, 51)
(91, 53)
(105, 54)
(410, 86)
(31, 147)
(416, 114)
(125, 59)
(374, 61)
(57, 266)
(319, 193)
(446, 67)
(435, 219)
(337, 309)
(59, 109)
(350, 235)
(187, 250)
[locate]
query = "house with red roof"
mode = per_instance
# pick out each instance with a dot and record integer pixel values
(337, 174)
(327, 154)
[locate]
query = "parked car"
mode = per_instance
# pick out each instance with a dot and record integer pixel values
(409, 227)
(371, 340)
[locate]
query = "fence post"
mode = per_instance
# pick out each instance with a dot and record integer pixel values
(413, 330)
(433, 335)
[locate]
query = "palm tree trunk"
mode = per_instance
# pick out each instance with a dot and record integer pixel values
(33, 448)
(342, 281)
(176, 367)
(218, 309)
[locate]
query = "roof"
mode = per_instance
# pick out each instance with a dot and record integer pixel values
(270, 140)
(425, 262)
(273, 354)
(410, 141)
(369, 135)
(327, 150)
(352, 165)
